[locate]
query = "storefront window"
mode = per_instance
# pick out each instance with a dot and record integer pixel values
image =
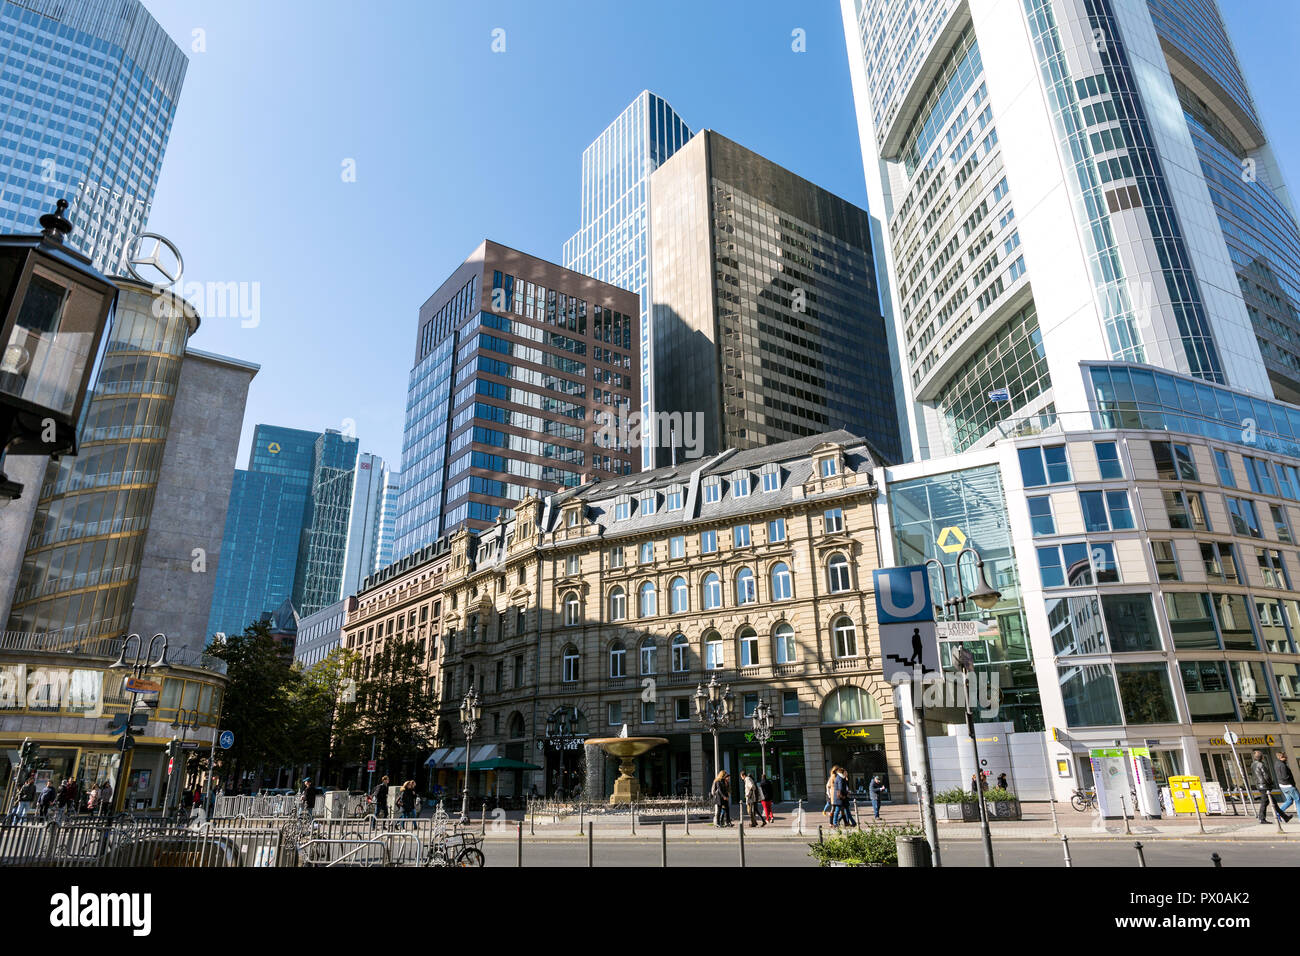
(1208, 695)
(1252, 690)
(849, 705)
(1089, 695)
(1147, 696)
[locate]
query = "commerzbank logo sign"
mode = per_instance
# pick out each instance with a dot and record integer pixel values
(156, 261)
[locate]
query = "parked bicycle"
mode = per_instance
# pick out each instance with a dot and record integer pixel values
(1084, 799)
(455, 849)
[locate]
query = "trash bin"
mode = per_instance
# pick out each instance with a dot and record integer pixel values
(913, 851)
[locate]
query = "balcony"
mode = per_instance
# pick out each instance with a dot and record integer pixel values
(848, 664)
(71, 643)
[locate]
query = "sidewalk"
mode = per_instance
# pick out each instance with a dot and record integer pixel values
(1036, 825)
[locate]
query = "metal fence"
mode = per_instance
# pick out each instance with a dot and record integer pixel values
(140, 843)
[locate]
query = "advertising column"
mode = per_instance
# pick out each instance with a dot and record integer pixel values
(1110, 777)
(1148, 793)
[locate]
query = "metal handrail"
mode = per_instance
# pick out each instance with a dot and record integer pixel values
(360, 844)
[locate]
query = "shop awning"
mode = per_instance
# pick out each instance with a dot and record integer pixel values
(436, 758)
(503, 763)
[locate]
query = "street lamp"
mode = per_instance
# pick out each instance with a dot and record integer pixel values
(470, 711)
(54, 308)
(184, 721)
(139, 665)
(762, 731)
(715, 708)
(562, 727)
(985, 598)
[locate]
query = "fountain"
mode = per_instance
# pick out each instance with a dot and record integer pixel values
(626, 749)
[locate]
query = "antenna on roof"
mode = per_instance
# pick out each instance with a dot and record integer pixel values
(672, 432)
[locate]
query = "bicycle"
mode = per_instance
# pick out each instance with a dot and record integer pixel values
(455, 849)
(1083, 799)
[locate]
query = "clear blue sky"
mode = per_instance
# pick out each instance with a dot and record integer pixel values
(454, 143)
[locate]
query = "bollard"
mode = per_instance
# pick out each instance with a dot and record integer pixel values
(820, 838)
(800, 817)
(1200, 821)
(482, 821)
(519, 845)
(632, 807)
(582, 807)
(663, 843)
(686, 814)
(741, 830)
(532, 819)
(1065, 845)
(590, 857)
(1142, 860)
(1216, 859)
(1123, 809)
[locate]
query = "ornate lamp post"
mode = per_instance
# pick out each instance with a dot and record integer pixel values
(985, 598)
(139, 666)
(762, 718)
(54, 310)
(715, 709)
(562, 728)
(184, 721)
(470, 711)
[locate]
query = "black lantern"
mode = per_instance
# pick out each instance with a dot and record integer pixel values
(54, 307)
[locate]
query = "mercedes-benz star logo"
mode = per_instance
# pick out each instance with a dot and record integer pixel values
(166, 270)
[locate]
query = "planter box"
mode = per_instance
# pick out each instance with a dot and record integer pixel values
(968, 811)
(1004, 810)
(949, 811)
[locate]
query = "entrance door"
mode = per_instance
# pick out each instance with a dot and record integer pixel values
(791, 779)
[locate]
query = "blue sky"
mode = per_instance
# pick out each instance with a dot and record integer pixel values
(454, 143)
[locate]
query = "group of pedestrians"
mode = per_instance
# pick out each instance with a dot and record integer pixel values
(758, 794)
(838, 800)
(1265, 779)
(66, 800)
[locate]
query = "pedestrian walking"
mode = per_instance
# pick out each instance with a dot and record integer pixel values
(1262, 778)
(92, 802)
(66, 805)
(48, 795)
(751, 800)
(307, 798)
(105, 799)
(1286, 783)
(1002, 781)
(840, 794)
(721, 794)
(407, 801)
(830, 793)
(380, 796)
(765, 792)
(25, 802)
(877, 793)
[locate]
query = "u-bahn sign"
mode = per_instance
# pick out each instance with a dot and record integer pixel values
(138, 685)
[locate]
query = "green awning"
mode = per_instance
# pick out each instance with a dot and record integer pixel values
(503, 763)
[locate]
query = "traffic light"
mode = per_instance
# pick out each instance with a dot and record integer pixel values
(28, 753)
(173, 748)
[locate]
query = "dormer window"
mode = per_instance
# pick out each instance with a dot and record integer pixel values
(771, 477)
(675, 498)
(740, 484)
(712, 489)
(648, 503)
(573, 518)
(828, 467)
(622, 508)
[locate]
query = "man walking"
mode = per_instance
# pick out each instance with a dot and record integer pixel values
(877, 791)
(1262, 778)
(47, 798)
(381, 798)
(751, 799)
(1286, 783)
(308, 798)
(765, 792)
(26, 799)
(840, 798)
(106, 799)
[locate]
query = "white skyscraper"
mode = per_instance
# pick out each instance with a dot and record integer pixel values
(364, 527)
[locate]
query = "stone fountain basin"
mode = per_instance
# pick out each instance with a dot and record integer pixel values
(625, 747)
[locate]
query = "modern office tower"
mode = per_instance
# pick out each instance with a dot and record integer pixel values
(158, 419)
(543, 358)
(765, 312)
(90, 91)
(320, 633)
(613, 243)
(318, 581)
(388, 520)
(365, 525)
(263, 529)
(1062, 181)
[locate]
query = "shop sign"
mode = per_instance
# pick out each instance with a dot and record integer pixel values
(858, 733)
(1266, 741)
(751, 737)
(138, 685)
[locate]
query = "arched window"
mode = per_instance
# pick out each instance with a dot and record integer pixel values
(515, 726)
(746, 590)
(649, 606)
(617, 604)
(714, 658)
(837, 573)
(782, 585)
(681, 654)
(649, 657)
(849, 705)
(570, 673)
(846, 638)
(680, 595)
(617, 660)
(783, 644)
(571, 610)
(748, 647)
(712, 592)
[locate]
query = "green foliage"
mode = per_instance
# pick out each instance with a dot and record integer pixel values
(395, 703)
(258, 699)
(958, 795)
(998, 795)
(315, 708)
(870, 845)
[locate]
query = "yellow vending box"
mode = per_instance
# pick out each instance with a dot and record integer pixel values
(1187, 794)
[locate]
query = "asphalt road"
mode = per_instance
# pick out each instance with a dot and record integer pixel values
(1158, 853)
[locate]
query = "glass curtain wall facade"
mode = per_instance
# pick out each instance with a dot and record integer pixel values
(82, 562)
(90, 90)
(263, 533)
(388, 520)
(613, 242)
(318, 582)
(934, 517)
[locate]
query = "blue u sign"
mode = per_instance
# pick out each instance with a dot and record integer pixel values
(903, 595)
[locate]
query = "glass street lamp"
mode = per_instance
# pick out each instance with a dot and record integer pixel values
(54, 309)
(562, 729)
(470, 711)
(715, 709)
(139, 665)
(762, 718)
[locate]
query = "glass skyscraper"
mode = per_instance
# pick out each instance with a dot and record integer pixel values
(388, 519)
(90, 90)
(318, 582)
(264, 525)
(613, 243)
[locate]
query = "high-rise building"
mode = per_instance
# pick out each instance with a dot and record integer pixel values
(388, 520)
(90, 89)
(365, 524)
(263, 529)
(106, 518)
(1062, 181)
(318, 581)
(613, 242)
(766, 320)
(541, 357)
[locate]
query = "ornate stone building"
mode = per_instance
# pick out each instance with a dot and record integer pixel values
(619, 597)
